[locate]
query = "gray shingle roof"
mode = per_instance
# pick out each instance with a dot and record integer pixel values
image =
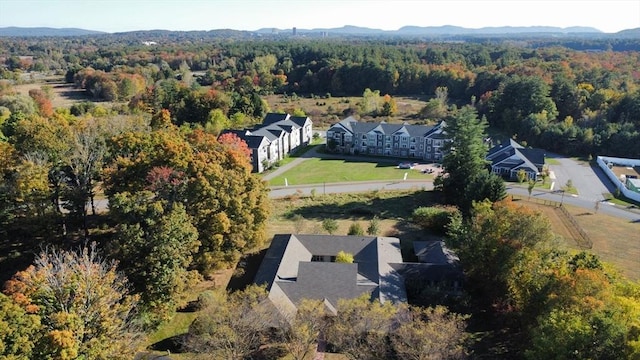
(271, 118)
(435, 252)
(291, 276)
(529, 158)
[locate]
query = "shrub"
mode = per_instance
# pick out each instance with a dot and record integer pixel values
(374, 226)
(355, 229)
(344, 257)
(330, 225)
(434, 218)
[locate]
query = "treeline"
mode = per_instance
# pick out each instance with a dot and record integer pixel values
(545, 95)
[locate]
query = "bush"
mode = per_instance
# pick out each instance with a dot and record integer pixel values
(330, 225)
(355, 229)
(344, 257)
(374, 226)
(434, 218)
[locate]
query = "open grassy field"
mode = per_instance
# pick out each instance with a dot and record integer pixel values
(615, 240)
(317, 171)
(63, 94)
(326, 111)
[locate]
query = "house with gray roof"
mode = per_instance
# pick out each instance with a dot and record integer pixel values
(277, 136)
(350, 136)
(509, 158)
(438, 268)
(298, 267)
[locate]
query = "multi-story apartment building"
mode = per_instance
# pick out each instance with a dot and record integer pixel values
(277, 136)
(422, 142)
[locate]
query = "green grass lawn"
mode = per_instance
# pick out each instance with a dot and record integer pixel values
(318, 171)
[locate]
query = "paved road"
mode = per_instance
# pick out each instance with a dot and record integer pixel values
(334, 188)
(591, 182)
(349, 187)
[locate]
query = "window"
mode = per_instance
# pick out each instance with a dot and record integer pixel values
(429, 141)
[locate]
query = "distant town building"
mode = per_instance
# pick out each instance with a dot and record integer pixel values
(295, 31)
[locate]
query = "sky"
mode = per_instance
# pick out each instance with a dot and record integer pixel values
(127, 15)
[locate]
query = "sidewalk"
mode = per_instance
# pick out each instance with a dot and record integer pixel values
(308, 155)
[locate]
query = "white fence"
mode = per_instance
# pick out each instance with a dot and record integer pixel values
(603, 161)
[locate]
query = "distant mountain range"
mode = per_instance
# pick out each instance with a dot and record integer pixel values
(45, 31)
(441, 30)
(409, 31)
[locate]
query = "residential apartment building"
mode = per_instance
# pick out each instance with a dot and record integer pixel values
(422, 142)
(277, 136)
(509, 158)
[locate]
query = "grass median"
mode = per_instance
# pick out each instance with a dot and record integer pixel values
(318, 171)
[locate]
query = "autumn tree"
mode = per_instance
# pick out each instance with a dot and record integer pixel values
(389, 106)
(360, 328)
(83, 303)
(42, 101)
(226, 203)
(18, 330)
(585, 311)
(302, 330)
(156, 242)
(231, 327)
(370, 104)
(344, 257)
(216, 122)
(429, 334)
(491, 239)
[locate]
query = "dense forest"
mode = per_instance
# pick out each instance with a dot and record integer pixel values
(577, 102)
(183, 202)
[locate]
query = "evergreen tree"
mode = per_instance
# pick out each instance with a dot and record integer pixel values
(466, 178)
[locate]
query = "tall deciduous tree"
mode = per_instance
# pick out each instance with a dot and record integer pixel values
(302, 330)
(18, 330)
(226, 202)
(489, 242)
(155, 242)
(231, 328)
(360, 328)
(429, 334)
(83, 304)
